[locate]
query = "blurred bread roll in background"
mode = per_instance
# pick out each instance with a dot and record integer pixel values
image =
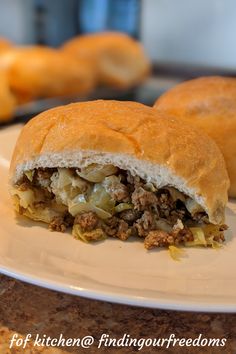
(7, 99)
(4, 44)
(210, 104)
(117, 59)
(39, 71)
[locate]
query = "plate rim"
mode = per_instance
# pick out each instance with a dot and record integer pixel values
(122, 299)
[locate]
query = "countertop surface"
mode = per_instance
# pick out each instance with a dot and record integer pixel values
(41, 313)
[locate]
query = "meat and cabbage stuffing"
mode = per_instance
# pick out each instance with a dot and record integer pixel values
(101, 201)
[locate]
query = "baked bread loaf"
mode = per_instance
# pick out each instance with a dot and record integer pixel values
(39, 71)
(208, 103)
(111, 168)
(116, 59)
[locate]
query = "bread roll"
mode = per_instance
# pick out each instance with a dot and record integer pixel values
(117, 59)
(39, 71)
(92, 161)
(208, 103)
(7, 99)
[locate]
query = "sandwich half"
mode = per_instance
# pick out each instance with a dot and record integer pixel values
(120, 169)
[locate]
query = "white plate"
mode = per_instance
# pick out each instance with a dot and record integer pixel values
(123, 272)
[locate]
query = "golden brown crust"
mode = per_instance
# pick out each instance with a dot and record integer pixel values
(117, 59)
(210, 104)
(132, 130)
(39, 71)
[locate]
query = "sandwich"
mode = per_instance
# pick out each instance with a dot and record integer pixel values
(208, 103)
(120, 169)
(116, 59)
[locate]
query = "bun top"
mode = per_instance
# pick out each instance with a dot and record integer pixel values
(88, 44)
(209, 103)
(131, 136)
(117, 59)
(205, 96)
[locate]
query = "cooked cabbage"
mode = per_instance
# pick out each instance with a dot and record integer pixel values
(150, 187)
(79, 205)
(199, 237)
(178, 225)
(193, 207)
(214, 244)
(96, 173)
(176, 253)
(203, 236)
(43, 214)
(123, 206)
(66, 186)
(162, 224)
(112, 184)
(175, 194)
(26, 198)
(211, 230)
(101, 199)
(30, 174)
(94, 235)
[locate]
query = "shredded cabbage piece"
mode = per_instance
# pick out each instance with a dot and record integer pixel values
(192, 206)
(199, 238)
(214, 244)
(101, 199)
(150, 187)
(96, 173)
(46, 215)
(66, 186)
(80, 205)
(30, 174)
(204, 236)
(175, 194)
(123, 206)
(176, 253)
(111, 183)
(162, 224)
(211, 230)
(94, 235)
(26, 198)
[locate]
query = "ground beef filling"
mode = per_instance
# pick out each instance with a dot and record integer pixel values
(155, 216)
